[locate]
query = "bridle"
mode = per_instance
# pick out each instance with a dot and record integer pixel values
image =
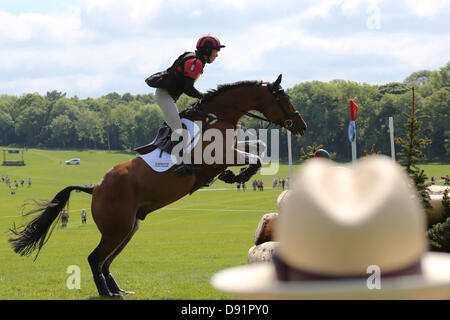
(291, 116)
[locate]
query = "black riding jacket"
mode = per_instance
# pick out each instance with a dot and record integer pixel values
(183, 74)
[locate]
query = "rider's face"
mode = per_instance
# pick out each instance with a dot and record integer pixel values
(214, 55)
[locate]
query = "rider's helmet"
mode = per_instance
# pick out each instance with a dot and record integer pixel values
(205, 45)
(209, 42)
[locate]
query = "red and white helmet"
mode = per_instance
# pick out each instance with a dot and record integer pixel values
(209, 42)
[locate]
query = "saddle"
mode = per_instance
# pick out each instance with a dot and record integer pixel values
(162, 141)
(163, 137)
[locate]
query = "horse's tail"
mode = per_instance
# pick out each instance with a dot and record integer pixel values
(35, 234)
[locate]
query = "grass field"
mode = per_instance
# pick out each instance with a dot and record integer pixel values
(172, 256)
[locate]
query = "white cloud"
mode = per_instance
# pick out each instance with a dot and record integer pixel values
(400, 50)
(427, 9)
(350, 7)
(114, 45)
(196, 13)
(63, 28)
(320, 9)
(239, 5)
(135, 10)
(71, 83)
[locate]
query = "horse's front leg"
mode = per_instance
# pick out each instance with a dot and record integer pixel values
(241, 156)
(246, 152)
(255, 147)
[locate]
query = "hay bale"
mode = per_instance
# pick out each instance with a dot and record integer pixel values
(437, 189)
(265, 230)
(282, 198)
(437, 211)
(262, 252)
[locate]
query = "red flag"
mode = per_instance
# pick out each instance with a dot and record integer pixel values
(353, 110)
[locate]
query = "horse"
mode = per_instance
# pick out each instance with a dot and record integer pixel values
(131, 190)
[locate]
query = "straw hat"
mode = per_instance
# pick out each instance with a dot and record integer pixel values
(339, 231)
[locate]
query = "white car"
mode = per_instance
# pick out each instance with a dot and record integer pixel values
(73, 161)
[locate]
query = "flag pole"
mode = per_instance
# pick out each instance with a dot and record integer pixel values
(289, 154)
(391, 130)
(354, 149)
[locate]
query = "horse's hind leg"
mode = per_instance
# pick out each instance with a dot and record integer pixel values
(106, 248)
(95, 262)
(110, 282)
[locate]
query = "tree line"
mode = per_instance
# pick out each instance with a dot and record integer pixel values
(123, 122)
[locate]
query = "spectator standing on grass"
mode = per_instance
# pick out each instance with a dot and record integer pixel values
(283, 182)
(29, 182)
(83, 216)
(65, 218)
(446, 180)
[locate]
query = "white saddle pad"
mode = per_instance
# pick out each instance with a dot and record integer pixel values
(161, 162)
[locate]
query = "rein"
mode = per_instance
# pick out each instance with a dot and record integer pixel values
(284, 124)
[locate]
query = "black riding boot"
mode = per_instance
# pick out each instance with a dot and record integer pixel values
(186, 169)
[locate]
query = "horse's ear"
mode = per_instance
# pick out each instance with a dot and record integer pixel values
(278, 81)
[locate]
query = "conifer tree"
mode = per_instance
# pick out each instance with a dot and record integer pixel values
(439, 236)
(411, 153)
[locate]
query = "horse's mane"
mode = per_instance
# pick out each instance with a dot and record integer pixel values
(212, 93)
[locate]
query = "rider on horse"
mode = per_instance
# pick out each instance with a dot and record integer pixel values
(180, 78)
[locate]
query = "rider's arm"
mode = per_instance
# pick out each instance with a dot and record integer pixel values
(192, 70)
(190, 90)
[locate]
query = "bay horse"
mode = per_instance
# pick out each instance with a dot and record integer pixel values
(131, 190)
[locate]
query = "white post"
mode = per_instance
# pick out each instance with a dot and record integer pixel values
(354, 150)
(289, 155)
(391, 130)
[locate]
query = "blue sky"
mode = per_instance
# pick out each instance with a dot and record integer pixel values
(89, 48)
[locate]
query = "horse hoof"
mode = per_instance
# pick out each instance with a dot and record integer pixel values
(107, 295)
(124, 293)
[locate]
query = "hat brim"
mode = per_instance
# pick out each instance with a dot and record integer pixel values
(258, 281)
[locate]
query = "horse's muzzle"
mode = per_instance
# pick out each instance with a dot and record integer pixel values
(295, 124)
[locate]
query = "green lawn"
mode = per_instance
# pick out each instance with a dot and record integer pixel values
(172, 256)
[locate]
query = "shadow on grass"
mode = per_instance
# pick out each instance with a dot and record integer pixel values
(100, 298)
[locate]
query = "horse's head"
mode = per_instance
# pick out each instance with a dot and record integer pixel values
(279, 109)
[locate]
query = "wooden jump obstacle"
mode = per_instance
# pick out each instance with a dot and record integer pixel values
(11, 162)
